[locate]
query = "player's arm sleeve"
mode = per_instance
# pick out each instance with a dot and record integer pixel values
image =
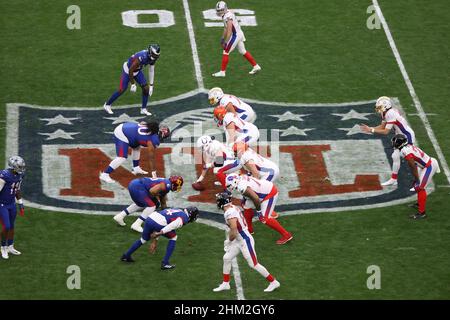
(151, 74)
(176, 224)
(2, 184)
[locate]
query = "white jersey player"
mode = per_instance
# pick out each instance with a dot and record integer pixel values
(235, 128)
(232, 104)
(261, 195)
(239, 240)
(391, 118)
(423, 168)
(232, 37)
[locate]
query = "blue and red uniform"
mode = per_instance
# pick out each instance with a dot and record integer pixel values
(133, 135)
(140, 191)
(8, 210)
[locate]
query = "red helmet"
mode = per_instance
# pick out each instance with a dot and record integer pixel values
(177, 182)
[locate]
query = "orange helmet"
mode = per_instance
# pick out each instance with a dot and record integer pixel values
(239, 146)
(219, 114)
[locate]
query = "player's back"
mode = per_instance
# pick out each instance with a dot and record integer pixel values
(151, 182)
(262, 188)
(258, 160)
(241, 126)
(242, 109)
(235, 212)
(139, 134)
(412, 152)
(142, 57)
(401, 126)
(170, 215)
(217, 148)
(229, 15)
(11, 187)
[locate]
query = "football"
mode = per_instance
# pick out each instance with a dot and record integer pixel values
(198, 186)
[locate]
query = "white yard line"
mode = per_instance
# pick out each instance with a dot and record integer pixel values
(412, 92)
(190, 27)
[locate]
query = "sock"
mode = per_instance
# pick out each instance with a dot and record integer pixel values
(250, 58)
(226, 277)
(132, 208)
(221, 177)
(169, 251)
(270, 278)
(395, 163)
(10, 239)
(109, 170)
(3, 243)
(10, 242)
(422, 199)
(113, 98)
(135, 163)
(394, 176)
(275, 225)
(126, 212)
(248, 214)
(136, 245)
(224, 62)
(117, 162)
(262, 270)
(144, 100)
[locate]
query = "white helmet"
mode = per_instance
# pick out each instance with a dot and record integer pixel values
(204, 141)
(232, 181)
(17, 164)
(383, 104)
(214, 95)
(221, 8)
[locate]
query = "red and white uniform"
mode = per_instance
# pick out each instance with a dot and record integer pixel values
(218, 149)
(267, 169)
(244, 111)
(237, 37)
(426, 165)
(245, 131)
(393, 118)
(266, 191)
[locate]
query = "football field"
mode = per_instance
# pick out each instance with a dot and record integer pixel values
(323, 59)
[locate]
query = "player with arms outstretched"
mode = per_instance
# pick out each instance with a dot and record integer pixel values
(135, 135)
(163, 223)
(232, 37)
(10, 182)
(232, 104)
(423, 168)
(239, 240)
(148, 194)
(132, 73)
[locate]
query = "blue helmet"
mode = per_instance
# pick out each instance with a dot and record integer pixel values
(153, 51)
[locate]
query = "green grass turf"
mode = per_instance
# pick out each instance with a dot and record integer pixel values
(310, 51)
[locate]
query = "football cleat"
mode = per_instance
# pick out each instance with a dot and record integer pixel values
(255, 69)
(272, 286)
(119, 219)
(285, 239)
(105, 177)
(418, 216)
(223, 286)
(124, 258)
(13, 251)
(136, 226)
(138, 170)
(220, 74)
(145, 111)
(390, 182)
(412, 189)
(4, 252)
(167, 266)
(107, 108)
(414, 205)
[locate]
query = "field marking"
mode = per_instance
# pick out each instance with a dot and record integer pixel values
(190, 27)
(412, 92)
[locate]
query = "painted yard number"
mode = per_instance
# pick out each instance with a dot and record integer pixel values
(165, 18)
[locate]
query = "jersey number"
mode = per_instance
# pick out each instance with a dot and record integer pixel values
(15, 187)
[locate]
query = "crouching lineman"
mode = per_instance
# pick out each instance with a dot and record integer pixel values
(239, 240)
(10, 181)
(216, 155)
(148, 194)
(262, 195)
(423, 168)
(163, 223)
(232, 104)
(134, 135)
(259, 167)
(235, 128)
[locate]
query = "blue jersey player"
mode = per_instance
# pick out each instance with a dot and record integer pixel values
(148, 194)
(163, 223)
(135, 135)
(132, 73)
(10, 181)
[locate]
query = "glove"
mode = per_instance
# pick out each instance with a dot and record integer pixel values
(154, 174)
(22, 209)
(225, 245)
(200, 179)
(150, 90)
(222, 43)
(133, 87)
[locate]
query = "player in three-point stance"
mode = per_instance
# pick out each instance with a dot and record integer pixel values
(163, 223)
(10, 182)
(423, 168)
(261, 195)
(148, 194)
(239, 240)
(259, 167)
(134, 135)
(232, 37)
(132, 73)
(391, 118)
(232, 104)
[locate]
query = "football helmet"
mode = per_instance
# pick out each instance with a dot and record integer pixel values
(192, 212)
(221, 8)
(219, 114)
(399, 141)
(383, 104)
(17, 164)
(204, 141)
(163, 132)
(222, 199)
(153, 51)
(176, 182)
(239, 147)
(232, 181)
(214, 95)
